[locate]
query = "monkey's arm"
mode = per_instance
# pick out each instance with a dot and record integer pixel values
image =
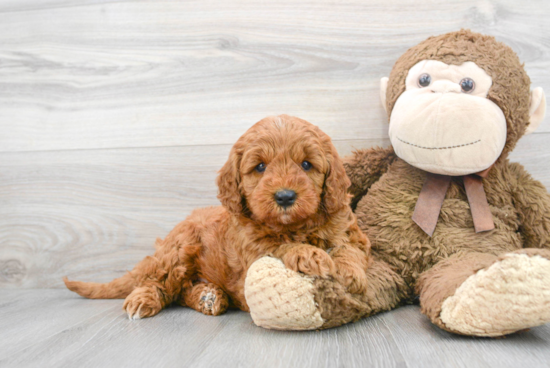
(532, 202)
(364, 167)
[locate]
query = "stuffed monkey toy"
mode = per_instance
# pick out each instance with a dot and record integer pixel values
(451, 221)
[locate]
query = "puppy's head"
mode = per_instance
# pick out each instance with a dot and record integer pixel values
(283, 171)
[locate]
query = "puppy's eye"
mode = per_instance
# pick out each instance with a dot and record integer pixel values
(467, 85)
(424, 80)
(260, 168)
(306, 165)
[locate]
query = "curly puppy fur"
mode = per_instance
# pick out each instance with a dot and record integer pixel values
(203, 261)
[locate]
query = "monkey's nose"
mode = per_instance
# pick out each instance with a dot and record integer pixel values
(444, 86)
(285, 197)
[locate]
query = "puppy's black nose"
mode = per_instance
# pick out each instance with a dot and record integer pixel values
(285, 197)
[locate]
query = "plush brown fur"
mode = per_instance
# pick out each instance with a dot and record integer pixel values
(406, 262)
(203, 262)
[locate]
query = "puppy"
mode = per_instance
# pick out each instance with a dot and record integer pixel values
(284, 193)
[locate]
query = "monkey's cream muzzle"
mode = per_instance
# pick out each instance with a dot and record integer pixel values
(440, 128)
(444, 131)
(444, 124)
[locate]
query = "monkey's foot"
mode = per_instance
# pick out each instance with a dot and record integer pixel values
(279, 298)
(510, 295)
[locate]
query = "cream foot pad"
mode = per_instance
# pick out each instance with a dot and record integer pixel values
(279, 298)
(510, 295)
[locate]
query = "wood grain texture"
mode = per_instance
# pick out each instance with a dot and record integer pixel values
(116, 115)
(93, 214)
(55, 328)
(98, 74)
(431, 344)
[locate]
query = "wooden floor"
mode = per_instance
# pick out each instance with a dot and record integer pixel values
(115, 117)
(54, 328)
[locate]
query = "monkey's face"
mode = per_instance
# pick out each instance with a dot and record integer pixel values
(443, 122)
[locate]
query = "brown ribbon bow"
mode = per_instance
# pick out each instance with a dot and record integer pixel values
(430, 200)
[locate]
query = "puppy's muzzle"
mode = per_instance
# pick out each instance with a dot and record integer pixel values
(285, 198)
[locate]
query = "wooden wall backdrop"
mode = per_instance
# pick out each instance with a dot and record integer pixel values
(115, 115)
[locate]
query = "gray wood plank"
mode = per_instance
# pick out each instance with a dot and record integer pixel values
(93, 214)
(115, 116)
(105, 339)
(7, 6)
(27, 317)
(424, 345)
(365, 343)
(533, 152)
(164, 73)
(90, 210)
(55, 328)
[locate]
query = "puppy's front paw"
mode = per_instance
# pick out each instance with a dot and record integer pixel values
(142, 302)
(354, 278)
(310, 261)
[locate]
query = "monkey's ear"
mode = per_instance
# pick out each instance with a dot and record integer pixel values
(537, 110)
(383, 88)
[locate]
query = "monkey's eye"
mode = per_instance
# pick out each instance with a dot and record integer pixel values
(467, 85)
(260, 168)
(306, 165)
(424, 80)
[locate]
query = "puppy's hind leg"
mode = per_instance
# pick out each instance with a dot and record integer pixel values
(206, 298)
(159, 281)
(161, 278)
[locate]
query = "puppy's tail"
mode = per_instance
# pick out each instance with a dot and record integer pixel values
(117, 289)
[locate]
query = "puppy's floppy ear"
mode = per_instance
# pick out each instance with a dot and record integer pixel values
(335, 194)
(228, 181)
